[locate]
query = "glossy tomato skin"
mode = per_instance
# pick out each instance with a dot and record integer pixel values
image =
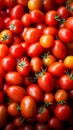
(57, 68)
(26, 19)
(8, 63)
(32, 50)
(10, 3)
(69, 23)
(4, 50)
(16, 93)
(62, 112)
(66, 82)
(46, 82)
(59, 49)
(13, 78)
(35, 92)
(49, 98)
(18, 122)
(28, 107)
(42, 126)
(3, 115)
(17, 12)
(48, 5)
(43, 114)
(9, 126)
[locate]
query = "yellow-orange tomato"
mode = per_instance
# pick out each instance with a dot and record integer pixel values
(68, 61)
(34, 4)
(46, 41)
(49, 98)
(48, 60)
(61, 95)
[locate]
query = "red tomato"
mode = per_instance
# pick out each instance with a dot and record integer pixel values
(26, 19)
(46, 82)
(32, 50)
(9, 126)
(1, 22)
(59, 49)
(28, 107)
(50, 18)
(54, 123)
(36, 64)
(13, 78)
(23, 3)
(59, 2)
(3, 115)
(13, 109)
(15, 50)
(43, 114)
(15, 26)
(57, 68)
(35, 15)
(32, 35)
(17, 12)
(66, 82)
(62, 112)
(69, 23)
(16, 93)
(4, 50)
(42, 126)
(10, 3)
(26, 127)
(48, 5)
(1, 97)
(49, 98)
(18, 122)
(35, 92)
(65, 35)
(8, 63)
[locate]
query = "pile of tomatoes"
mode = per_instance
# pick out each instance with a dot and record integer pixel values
(36, 65)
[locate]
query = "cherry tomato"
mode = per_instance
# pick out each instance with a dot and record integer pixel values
(26, 19)
(57, 68)
(35, 4)
(10, 3)
(42, 126)
(28, 107)
(18, 122)
(9, 126)
(61, 95)
(1, 22)
(49, 97)
(4, 50)
(59, 2)
(23, 2)
(69, 23)
(26, 127)
(3, 115)
(46, 82)
(68, 62)
(16, 93)
(35, 92)
(13, 78)
(62, 112)
(48, 5)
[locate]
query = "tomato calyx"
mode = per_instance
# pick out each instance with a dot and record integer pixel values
(5, 37)
(41, 110)
(22, 64)
(69, 74)
(69, 8)
(47, 104)
(12, 27)
(59, 19)
(62, 102)
(45, 55)
(23, 120)
(40, 74)
(18, 107)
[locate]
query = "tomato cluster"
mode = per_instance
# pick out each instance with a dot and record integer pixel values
(36, 65)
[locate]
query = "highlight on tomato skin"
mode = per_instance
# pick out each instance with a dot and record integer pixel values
(36, 64)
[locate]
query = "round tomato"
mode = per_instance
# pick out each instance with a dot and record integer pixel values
(69, 23)
(10, 3)
(9, 126)
(35, 4)
(42, 126)
(4, 50)
(26, 19)
(18, 121)
(49, 98)
(62, 112)
(28, 107)
(68, 62)
(16, 93)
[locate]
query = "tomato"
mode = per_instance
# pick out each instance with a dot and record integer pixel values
(10, 3)
(23, 2)
(70, 94)
(6, 22)
(9, 126)
(32, 50)
(46, 82)
(8, 63)
(71, 6)
(50, 18)
(63, 12)
(26, 19)
(6, 37)
(59, 49)
(66, 82)
(61, 95)
(15, 50)
(46, 40)
(17, 12)
(49, 98)
(23, 67)
(35, 15)
(65, 35)
(16, 93)
(1, 22)
(50, 31)
(18, 122)
(62, 112)
(57, 68)
(42, 126)
(13, 109)
(16, 39)
(35, 4)
(26, 127)
(43, 114)
(32, 35)
(13, 78)
(4, 50)
(48, 5)
(15, 26)
(1, 97)
(36, 64)
(68, 61)
(41, 26)
(59, 2)
(35, 92)
(3, 115)
(28, 107)
(69, 23)
(54, 123)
